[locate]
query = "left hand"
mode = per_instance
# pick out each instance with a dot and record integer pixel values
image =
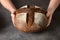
(49, 16)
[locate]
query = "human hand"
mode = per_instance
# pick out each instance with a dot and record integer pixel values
(51, 8)
(49, 16)
(13, 17)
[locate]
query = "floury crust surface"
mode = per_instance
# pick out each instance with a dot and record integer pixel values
(40, 21)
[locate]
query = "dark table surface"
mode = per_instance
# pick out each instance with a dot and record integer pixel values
(8, 32)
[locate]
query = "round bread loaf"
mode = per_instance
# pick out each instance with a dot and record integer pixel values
(30, 18)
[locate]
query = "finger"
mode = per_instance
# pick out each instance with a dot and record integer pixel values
(49, 20)
(47, 14)
(12, 16)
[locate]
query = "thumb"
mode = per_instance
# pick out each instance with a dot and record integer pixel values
(12, 16)
(47, 14)
(49, 19)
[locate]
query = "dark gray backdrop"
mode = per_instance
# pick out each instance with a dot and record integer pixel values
(8, 32)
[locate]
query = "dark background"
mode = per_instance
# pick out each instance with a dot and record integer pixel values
(8, 32)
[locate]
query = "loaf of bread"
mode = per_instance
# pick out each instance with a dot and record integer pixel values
(30, 18)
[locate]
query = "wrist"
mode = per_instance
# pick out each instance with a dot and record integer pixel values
(50, 10)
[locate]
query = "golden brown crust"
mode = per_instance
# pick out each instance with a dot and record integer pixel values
(30, 26)
(40, 10)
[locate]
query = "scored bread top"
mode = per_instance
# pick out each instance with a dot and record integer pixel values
(30, 10)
